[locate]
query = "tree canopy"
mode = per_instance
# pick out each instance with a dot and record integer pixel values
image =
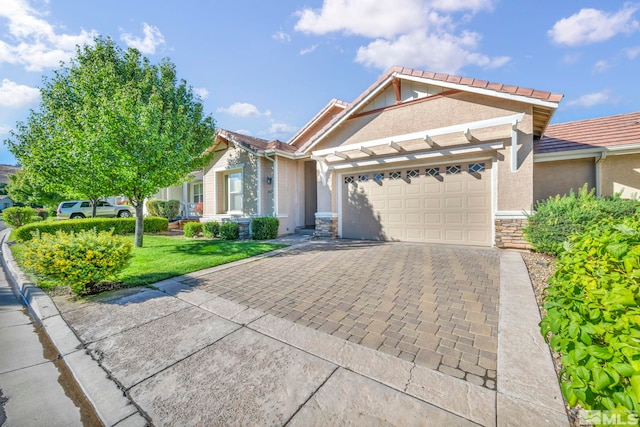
(111, 123)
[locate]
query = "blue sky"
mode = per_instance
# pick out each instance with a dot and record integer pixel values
(265, 68)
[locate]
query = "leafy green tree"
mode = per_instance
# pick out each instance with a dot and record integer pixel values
(113, 123)
(23, 188)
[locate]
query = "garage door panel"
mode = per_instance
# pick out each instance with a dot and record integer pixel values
(452, 207)
(477, 202)
(453, 202)
(414, 203)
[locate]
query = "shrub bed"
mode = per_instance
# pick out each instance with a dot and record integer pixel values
(264, 228)
(116, 225)
(593, 316)
(229, 231)
(192, 229)
(80, 260)
(17, 217)
(211, 229)
(556, 218)
(169, 209)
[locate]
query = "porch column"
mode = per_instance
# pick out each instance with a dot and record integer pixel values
(185, 198)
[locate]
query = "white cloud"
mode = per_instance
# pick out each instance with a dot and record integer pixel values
(442, 52)
(593, 25)
(591, 99)
(280, 128)
(36, 43)
(148, 44)
(281, 36)
(15, 95)
(4, 130)
(415, 33)
(244, 109)
(309, 49)
(633, 52)
(243, 132)
(202, 92)
(601, 66)
(457, 5)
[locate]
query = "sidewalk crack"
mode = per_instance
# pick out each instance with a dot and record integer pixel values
(406, 387)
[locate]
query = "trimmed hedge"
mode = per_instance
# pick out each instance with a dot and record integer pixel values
(229, 231)
(265, 228)
(211, 229)
(559, 217)
(118, 225)
(192, 229)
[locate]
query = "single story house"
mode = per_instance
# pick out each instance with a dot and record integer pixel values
(421, 157)
(5, 202)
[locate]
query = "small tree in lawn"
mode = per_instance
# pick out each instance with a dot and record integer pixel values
(133, 124)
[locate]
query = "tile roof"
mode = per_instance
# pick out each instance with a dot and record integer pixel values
(481, 84)
(622, 129)
(331, 104)
(255, 144)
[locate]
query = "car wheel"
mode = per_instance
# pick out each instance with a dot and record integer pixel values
(76, 216)
(124, 214)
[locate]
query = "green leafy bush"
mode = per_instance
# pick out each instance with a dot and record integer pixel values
(265, 228)
(117, 225)
(163, 208)
(556, 218)
(211, 229)
(192, 229)
(17, 217)
(229, 231)
(80, 260)
(593, 316)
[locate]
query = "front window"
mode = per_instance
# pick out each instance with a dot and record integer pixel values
(234, 192)
(198, 193)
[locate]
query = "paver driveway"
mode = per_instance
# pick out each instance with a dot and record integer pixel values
(433, 305)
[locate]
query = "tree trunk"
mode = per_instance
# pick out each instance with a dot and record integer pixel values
(94, 204)
(139, 225)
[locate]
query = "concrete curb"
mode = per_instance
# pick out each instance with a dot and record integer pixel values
(528, 392)
(109, 402)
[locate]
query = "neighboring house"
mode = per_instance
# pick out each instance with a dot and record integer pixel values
(603, 153)
(419, 157)
(189, 194)
(5, 202)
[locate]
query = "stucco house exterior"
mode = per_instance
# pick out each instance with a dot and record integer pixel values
(420, 157)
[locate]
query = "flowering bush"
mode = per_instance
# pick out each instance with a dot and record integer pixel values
(80, 260)
(199, 208)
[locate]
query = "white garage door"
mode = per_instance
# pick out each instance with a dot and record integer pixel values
(439, 204)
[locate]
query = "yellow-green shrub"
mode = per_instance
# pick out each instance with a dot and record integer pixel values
(80, 260)
(192, 229)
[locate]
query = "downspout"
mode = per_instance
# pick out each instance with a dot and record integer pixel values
(274, 183)
(603, 155)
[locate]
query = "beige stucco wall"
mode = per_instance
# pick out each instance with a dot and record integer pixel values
(231, 159)
(621, 174)
(288, 182)
(267, 190)
(560, 177)
(514, 192)
(422, 115)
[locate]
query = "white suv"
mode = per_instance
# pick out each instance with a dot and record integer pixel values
(74, 209)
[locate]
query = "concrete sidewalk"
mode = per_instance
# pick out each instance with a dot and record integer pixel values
(184, 356)
(34, 390)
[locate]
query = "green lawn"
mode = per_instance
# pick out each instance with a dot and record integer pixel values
(163, 257)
